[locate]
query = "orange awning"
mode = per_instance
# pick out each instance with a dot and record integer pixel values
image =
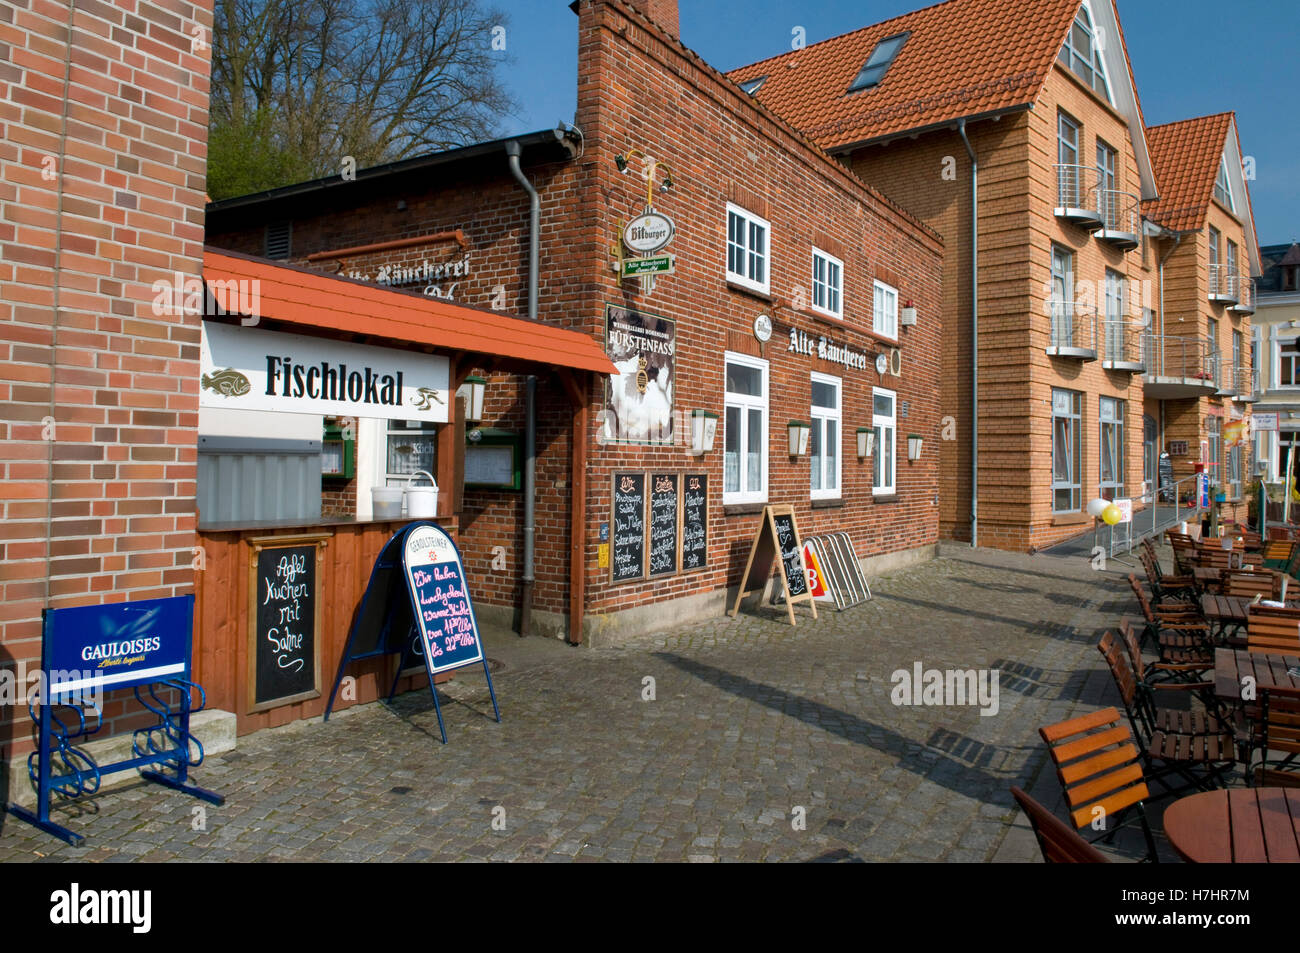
(314, 301)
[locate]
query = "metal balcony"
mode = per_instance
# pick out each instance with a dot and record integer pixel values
(1247, 385)
(1245, 295)
(1122, 346)
(1074, 331)
(1223, 284)
(1179, 367)
(1226, 378)
(1120, 222)
(1076, 195)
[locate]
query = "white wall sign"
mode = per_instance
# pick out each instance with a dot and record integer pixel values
(245, 368)
(648, 232)
(1263, 422)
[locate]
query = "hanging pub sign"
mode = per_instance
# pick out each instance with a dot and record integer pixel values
(639, 399)
(648, 232)
(776, 546)
(246, 368)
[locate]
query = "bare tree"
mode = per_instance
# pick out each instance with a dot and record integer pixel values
(297, 85)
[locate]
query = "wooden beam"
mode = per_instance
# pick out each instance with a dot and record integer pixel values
(451, 447)
(581, 398)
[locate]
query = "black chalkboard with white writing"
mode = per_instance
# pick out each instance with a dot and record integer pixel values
(787, 541)
(663, 523)
(629, 549)
(284, 652)
(695, 522)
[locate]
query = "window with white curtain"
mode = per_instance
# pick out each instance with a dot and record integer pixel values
(826, 437)
(884, 422)
(744, 431)
(1067, 460)
(1111, 416)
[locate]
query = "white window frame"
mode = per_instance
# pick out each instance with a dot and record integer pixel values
(1223, 183)
(1280, 361)
(746, 402)
(1074, 483)
(884, 320)
(1111, 412)
(884, 484)
(819, 417)
(750, 221)
(831, 292)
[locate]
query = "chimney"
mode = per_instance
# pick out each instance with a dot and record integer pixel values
(662, 12)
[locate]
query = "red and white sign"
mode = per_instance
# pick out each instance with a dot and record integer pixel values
(1125, 508)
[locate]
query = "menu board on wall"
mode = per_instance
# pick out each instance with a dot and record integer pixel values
(695, 522)
(629, 521)
(284, 621)
(663, 523)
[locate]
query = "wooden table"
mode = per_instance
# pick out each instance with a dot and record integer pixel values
(1207, 577)
(1224, 611)
(1269, 671)
(1238, 826)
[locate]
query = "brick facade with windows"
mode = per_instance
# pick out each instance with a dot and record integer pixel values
(104, 110)
(641, 89)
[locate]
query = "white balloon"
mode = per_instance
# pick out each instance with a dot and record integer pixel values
(1097, 507)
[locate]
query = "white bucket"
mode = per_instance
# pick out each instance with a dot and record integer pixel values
(422, 501)
(386, 502)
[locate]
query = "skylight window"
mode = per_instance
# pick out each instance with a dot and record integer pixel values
(1222, 189)
(1082, 54)
(752, 86)
(878, 63)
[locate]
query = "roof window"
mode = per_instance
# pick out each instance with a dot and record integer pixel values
(881, 58)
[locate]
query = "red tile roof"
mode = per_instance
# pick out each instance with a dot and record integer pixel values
(316, 301)
(1185, 156)
(962, 58)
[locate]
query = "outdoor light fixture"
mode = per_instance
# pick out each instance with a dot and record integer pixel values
(651, 172)
(621, 162)
(866, 440)
(473, 389)
(914, 446)
(667, 183)
(800, 431)
(704, 426)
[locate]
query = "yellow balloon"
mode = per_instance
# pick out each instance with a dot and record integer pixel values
(1110, 515)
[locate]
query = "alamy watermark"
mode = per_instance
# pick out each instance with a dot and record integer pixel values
(946, 687)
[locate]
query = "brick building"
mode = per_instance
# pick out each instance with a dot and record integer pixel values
(793, 290)
(105, 110)
(1026, 114)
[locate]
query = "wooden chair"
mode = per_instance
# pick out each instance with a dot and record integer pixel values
(1277, 554)
(1279, 734)
(1097, 764)
(1194, 746)
(1178, 635)
(1059, 844)
(1165, 588)
(1184, 548)
(1273, 630)
(1254, 582)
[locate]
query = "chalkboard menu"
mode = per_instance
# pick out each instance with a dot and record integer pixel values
(1165, 469)
(663, 523)
(788, 544)
(284, 621)
(695, 522)
(629, 520)
(440, 600)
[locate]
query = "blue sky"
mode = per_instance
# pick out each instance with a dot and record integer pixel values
(1191, 58)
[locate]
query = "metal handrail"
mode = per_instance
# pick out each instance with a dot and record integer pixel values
(1123, 340)
(1118, 209)
(1247, 380)
(1246, 292)
(1169, 355)
(1156, 514)
(1076, 186)
(1223, 281)
(1073, 325)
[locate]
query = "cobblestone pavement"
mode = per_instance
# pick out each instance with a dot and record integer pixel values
(755, 726)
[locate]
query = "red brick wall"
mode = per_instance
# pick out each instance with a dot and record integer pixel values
(103, 154)
(685, 110)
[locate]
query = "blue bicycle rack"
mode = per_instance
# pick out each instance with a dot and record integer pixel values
(87, 650)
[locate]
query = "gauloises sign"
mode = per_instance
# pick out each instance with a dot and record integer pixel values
(247, 368)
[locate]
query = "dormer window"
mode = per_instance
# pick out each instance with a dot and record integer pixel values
(1222, 188)
(878, 63)
(751, 86)
(1081, 54)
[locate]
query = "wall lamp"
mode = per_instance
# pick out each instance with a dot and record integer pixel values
(473, 389)
(866, 442)
(800, 431)
(914, 446)
(704, 426)
(650, 173)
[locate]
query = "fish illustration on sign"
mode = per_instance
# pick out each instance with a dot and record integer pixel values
(227, 382)
(422, 398)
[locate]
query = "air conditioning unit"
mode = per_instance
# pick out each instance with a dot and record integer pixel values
(907, 316)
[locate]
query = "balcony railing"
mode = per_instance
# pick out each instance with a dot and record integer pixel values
(1120, 222)
(1177, 367)
(1076, 195)
(1223, 284)
(1123, 347)
(1245, 295)
(1074, 331)
(1247, 385)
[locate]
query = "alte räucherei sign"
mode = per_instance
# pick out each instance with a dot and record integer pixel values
(245, 368)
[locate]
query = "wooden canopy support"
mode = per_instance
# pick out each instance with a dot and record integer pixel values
(580, 397)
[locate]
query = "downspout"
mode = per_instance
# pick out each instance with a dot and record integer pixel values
(513, 151)
(974, 336)
(1178, 238)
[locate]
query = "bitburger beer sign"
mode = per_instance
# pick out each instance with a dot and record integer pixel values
(244, 368)
(648, 232)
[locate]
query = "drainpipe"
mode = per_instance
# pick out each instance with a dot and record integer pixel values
(974, 337)
(513, 151)
(1178, 238)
